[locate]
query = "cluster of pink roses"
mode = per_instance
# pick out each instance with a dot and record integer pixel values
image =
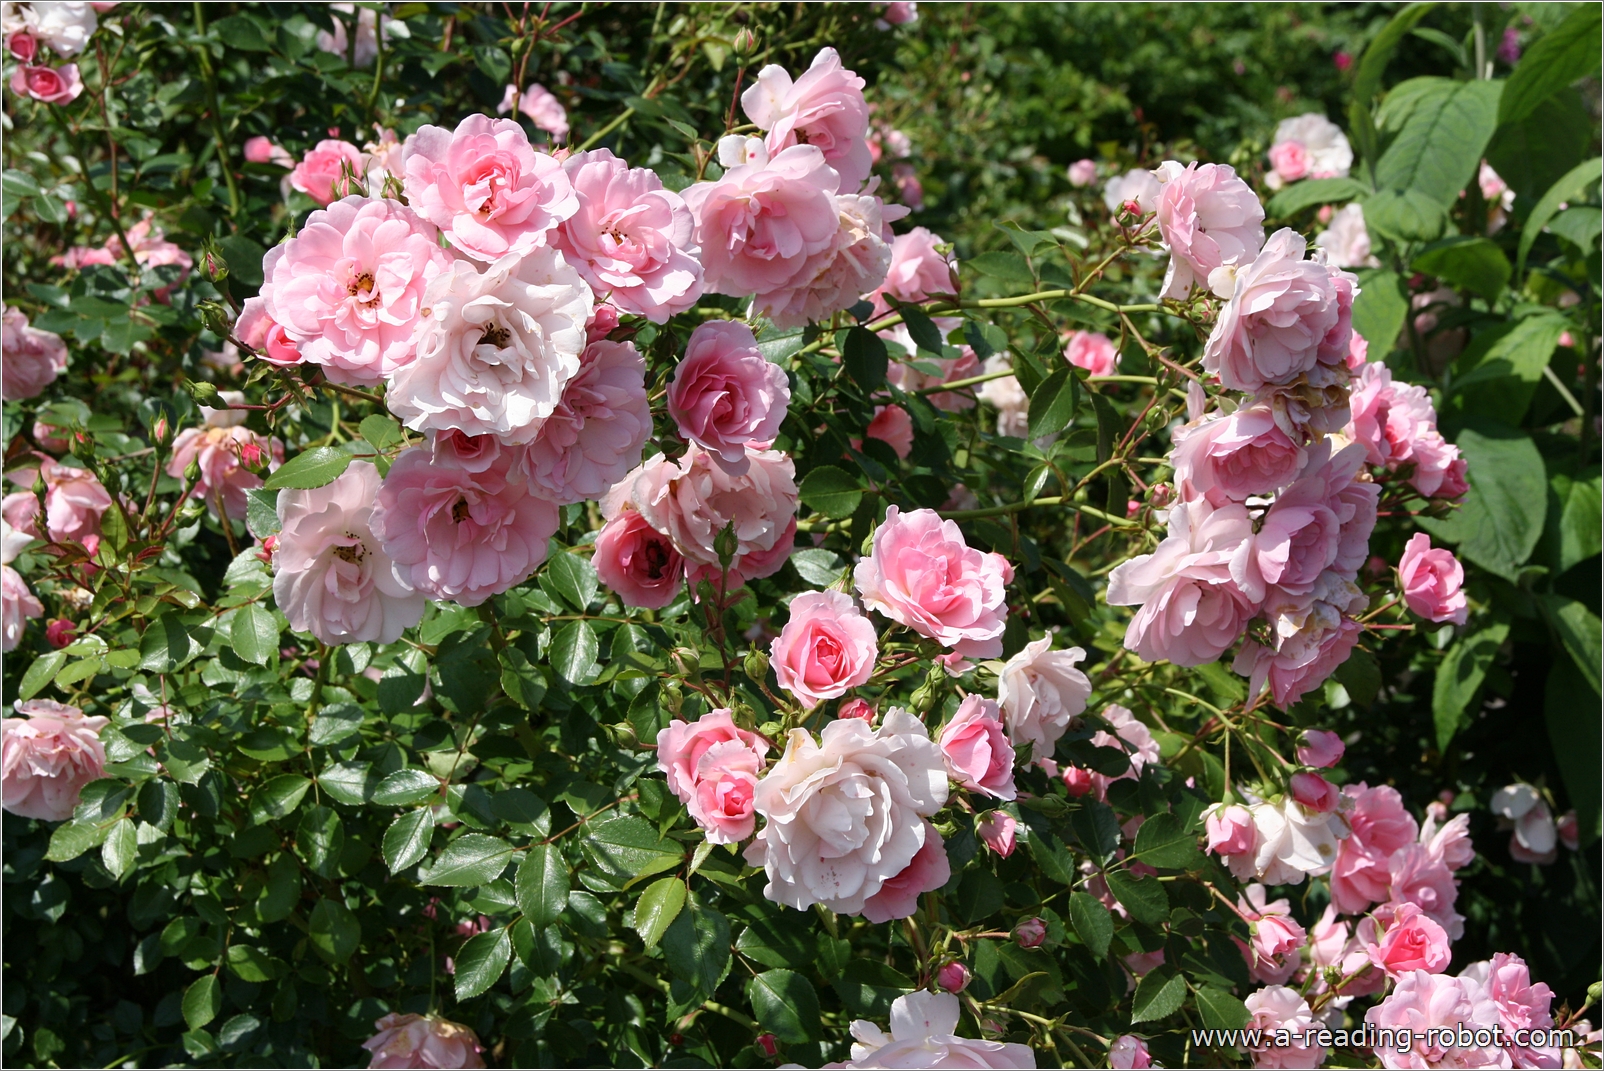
(1307, 146)
(64, 27)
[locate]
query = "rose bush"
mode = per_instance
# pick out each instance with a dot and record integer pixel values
(610, 570)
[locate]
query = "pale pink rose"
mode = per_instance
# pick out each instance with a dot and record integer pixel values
(1040, 690)
(422, 1040)
(823, 108)
(349, 288)
(893, 426)
(923, 575)
(1276, 936)
(1286, 316)
(918, 271)
(725, 394)
(1009, 398)
(1129, 1051)
(910, 191)
(1231, 833)
(30, 359)
(542, 108)
(1314, 637)
(331, 577)
(1522, 1004)
(58, 85)
(898, 897)
(1191, 609)
(1449, 843)
(603, 322)
(153, 250)
(458, 517)
(977, 750)
(49, 754)
(1388, 418)
(1346, 242)
(1208, 218)
(996, 831)
(1289, 160)
(74, 502)
(760, 224)
(630, 239)
(1236, 456)
(844, 815)
(1140, 187)
(385, 156)
(1329, 940)
(1416, 876)
(1423, 1002)
(1322, 521)
(19, 524)
(1281, 1013)
(596, 433)
(1320, 749)
(1082, 173)
(264, 150)
(1321, 145)
(900, 12)
(833, 279)
(18, 606)
(922, 1035)
(331, 170)
(638, 562)
(256, 329)
(1130, 736)
(826, 648)
(954, 977)
(1380, 827)
(1314, 792)
(486, 187)
(497, 350)
(1439, 470)
(1412, 941)
(221, 453)
(1093, 351)
(1431, 581)
(367, 43)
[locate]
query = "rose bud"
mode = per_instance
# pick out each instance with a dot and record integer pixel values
(953, 977)
(768, 1044)
(1320, 749)
(1030, 933)
(855, 708)
(1315, 792)
(60, 632)
(1078, 780)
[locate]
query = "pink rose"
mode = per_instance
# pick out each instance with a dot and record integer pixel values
(996, 831)
(1315, 792)
(486, 187)
(153, 250)
(903, 375)
(74, 503)
(923, 1034)
(458, 517)
(1208, 217)
(1290, 160)
(331, 170)
(1308, 146)
(824, 108)
(759, 224)
(836, 276)
(596, 433)
(1040, 690)
(1411, 942)
(1415, 876)
(638, 562)
(349, 288)
(1130, 736)
(1272, 955)
(910, 191)
(1079, 781)
(331, 577)
(1286, 316)
(954, 977)
(855, 708)
(978, 754)
(1129, 1051)
(1439, 470)
(1234, 457)
(256, 329)
(893, 426)
(1448, 843)
(1431, 581)
(59, 85)
(1437, 1010)
(18, 606)
(918, 271)
(1231, 831)
(711, 750)
(1380, 827)
(542, 108)
(630, 238)
(422, 1040)
(1302, 534)
(1522, 1004)
(900, 12)
(1321, 638)
(22, 45)
(1388, 418)
(1320, 749)
(725, 394)
(1347, 241)
(1082, 173)
(49, 754)
(923, 575)
(220, 452)
(264, 150)
(898, 897)
(1093, 351)
(1276, 1009)
(30, 359)
(826, 648)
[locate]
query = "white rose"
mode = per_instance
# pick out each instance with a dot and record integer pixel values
(1294, 843)
(843, 816)
(1347, 242)
(495, 350)
(1330, 155)
(1039, 690)
(64, 25)
(923, 1034)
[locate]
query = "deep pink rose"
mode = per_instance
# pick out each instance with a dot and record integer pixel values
(1431, 581)
(1424, 1002)
(458, 517)
(923, 575)
(954, 977)
(893, 426)
(331, 170)
(1416, 876)
(1380, 827)
(918, 271)
(826, 648)
(221, 453)
(596, 433)
(22, 45)
(996, 831)
(30, 359)
(1315, 792)
(18, 606)
(1411, 942)
(856, 708)
(725, 394)
(638, 562)
(1290, 160)
(1234, 457)
(1093, 351)
(712, 766)
(410, 1040)
(256, 329)
(1129, 1051)
(978, 753)
(47, 757)
(1208, 217)
(1320, 749)
(1280, 1009)
(349, 288)
(898, 897)
(630, 239)
(486, 187)
(59, 85)
(823, 108)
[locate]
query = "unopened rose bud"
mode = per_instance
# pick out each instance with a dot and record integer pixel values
(673, 698)
(1315, 792)
(60, 632)
(1130, 212)
(768, 1044)
(1319, 748)
(856, 708)
(216, 318)
(687, 660)
(203, 392)
(250, 455)
(1078, 780)
(953, 977)
(213, 265)
(726, 544)
(160, 430)
(268, 546)
(1160, 495)
(745, 45)
(1030, 933)
(192, 471)
(756, 666)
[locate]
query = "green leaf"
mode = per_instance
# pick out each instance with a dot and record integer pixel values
(923, 330)
(1160, 993)
(521, 679)
(72, 839)
(407, 839)
(401, 787)
(625, 847)
(1162, 842)
(313, 467)
(320, 839)
(472, 859)
(241, 32)
(696, 946)
(1501, 519)
(542, 885)
(1096, 827)
(1220, 1010)
(283, 892)
(868, 987)
(244, 258)
(1144, 898)
(657, 907)
(1360, 677)
(1579, 631)
(333, 930)
(334, 723)
(120, 849)
(1561, 56)
(261, 512)
(1574, 512)
(252, 964)
(573, 652)
(571, 578)
(1570, 709)
(1093, 922)
(818, 566)
(1052, 404)
(1373, 63)
(1300, 195)
(203, 1000)
(255, 633)
(831, 491)
(522, 810)
(786, 1005)
(1460, 675)
(778, 940)
(1501, 377)
(481, 961)
(1002, 264)
(1473, 263)
(864, 356)
(1579, 179)
(1536, 152)
(278, 797)
(40, 673)
(381, 431)
(350, 783)
(1404, 215)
